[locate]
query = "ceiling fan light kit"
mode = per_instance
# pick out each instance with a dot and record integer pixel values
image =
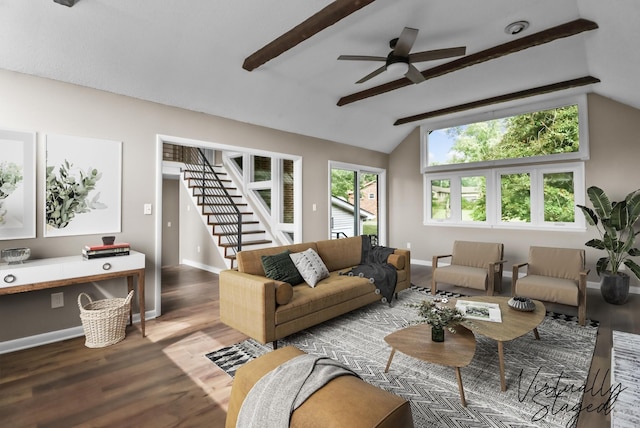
(398, 68)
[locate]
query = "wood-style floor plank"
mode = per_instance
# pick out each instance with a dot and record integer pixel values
(165, 380)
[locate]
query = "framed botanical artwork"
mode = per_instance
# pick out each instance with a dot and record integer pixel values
(17, 184)
(83, 186)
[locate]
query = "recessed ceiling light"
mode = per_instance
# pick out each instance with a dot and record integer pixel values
(516, 27)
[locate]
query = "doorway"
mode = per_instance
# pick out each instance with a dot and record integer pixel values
(357, 201)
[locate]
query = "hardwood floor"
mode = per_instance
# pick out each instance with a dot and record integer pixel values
(164, 380)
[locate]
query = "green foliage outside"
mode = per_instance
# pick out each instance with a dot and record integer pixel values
(533, 134)
(343, 182)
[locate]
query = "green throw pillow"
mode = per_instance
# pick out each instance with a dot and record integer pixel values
(281, 268)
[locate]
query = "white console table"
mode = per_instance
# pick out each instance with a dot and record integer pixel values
(40, 274)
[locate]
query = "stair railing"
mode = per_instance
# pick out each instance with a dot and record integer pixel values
(217, 198)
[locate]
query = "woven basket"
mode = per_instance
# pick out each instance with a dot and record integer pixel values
(104, 321)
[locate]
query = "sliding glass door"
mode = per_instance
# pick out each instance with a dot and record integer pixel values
(357, 194)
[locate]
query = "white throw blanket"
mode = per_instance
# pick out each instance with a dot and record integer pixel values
(277, 394)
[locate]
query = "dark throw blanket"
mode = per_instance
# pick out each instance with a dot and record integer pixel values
(277, 394)
(373, 265)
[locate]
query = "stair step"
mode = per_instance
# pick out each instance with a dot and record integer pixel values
(242, 204)
(244, 232)
(228, 223)
(245, 243)
(191, 174)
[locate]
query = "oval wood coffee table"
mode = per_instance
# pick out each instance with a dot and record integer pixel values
(514, 324)
(456, 351)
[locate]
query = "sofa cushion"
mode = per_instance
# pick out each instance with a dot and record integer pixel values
(327, 293)
(284, 292)
(281, 268)
(475, 254)
(464, 276)
(397, 260)
(557, 262)
(340, 253)
(548, 289)
(250, 261)
(310, 265)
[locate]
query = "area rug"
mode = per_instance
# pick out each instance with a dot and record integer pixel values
(545, 378)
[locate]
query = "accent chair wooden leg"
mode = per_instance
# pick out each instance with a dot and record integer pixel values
(275, 344)
(582, 315)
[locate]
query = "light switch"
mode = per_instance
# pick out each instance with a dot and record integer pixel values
(147, 209)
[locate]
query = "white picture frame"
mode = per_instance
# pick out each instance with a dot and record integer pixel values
(17, 184)
(90, 170)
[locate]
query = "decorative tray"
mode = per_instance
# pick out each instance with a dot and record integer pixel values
(523, 304)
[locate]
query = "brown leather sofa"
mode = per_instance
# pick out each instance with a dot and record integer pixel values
(346, 401)
(267, 310)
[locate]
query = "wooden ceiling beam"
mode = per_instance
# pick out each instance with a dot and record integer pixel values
(567, 84)
(561, 31)
(328, 16)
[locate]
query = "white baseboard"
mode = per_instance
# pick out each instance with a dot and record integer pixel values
(199, 265)
(508, 274)
(54, 336)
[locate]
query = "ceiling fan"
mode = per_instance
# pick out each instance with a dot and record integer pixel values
(400, 61)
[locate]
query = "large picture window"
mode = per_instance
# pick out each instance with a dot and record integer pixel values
(518, 168)
(549, 132)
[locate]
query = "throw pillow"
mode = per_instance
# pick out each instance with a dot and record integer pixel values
(310, 266)
(281, 268)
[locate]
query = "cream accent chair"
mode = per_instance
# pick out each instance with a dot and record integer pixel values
(475, 265)
(554, 275)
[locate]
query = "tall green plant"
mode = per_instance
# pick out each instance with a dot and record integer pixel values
(615, 223)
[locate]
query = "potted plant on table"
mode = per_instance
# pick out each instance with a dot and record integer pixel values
(438, 317)
(615, 223)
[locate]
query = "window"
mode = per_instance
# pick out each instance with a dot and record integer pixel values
(527, 197)
(518, 169)
(543, 133)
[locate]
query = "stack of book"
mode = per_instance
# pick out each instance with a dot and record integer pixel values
(98, 251)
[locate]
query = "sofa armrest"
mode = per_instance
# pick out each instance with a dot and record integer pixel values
(248, 304)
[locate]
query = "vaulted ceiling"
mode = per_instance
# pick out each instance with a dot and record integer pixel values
(191, 55)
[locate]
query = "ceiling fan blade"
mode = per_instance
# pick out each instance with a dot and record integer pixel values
(561, 31)
(326, 17)
(405, 41)
(373, 74)
(437, 54)
(414, 75)
(362, 58)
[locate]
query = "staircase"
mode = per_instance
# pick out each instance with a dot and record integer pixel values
(233, 226)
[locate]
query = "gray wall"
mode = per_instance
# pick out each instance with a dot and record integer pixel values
(45, 106)
(170, 215)
(614, 166)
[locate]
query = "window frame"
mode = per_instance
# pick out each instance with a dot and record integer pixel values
(493, 197)
(435, 124)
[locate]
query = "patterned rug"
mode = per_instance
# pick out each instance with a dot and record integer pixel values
(545, 378)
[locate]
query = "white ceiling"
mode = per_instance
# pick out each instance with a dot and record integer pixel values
(189, 54)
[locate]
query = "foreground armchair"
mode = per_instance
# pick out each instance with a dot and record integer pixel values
(555, 275)
(477, 265)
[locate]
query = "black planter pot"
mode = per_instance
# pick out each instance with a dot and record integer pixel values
(614, 288)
